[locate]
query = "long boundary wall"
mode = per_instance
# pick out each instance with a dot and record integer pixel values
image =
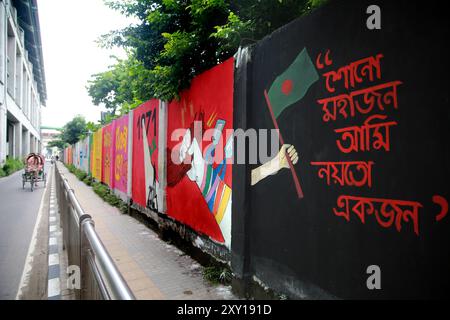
(357, 189)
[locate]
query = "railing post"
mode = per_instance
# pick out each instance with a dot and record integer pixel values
(84, 252)
(99, 276)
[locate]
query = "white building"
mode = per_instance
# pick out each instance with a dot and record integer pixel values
(22, 79)
(48, 134)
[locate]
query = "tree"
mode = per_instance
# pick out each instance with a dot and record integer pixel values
(176, 40)
(172, 43)
(73, 130)
(115, 88)
(58, 143)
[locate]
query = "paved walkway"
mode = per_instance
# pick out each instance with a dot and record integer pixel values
(152, 268)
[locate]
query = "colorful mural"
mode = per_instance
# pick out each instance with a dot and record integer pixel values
(287, 89)
(368, 162)
(69, 155)
(199, 179)
(120, 154)
(97, 148)
(75, 155)
(107, 154)
(84, 154)
(89, 151)
(145, 187)
(358, 179)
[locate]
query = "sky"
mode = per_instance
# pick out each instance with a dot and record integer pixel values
(69, 30)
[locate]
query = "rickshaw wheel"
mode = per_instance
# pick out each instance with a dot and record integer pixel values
(32, 184)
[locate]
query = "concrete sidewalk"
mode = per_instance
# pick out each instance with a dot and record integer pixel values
(152, 268)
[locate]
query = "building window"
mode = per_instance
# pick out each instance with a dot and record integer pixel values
(2, 41)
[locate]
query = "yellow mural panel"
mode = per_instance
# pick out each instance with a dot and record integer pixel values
(97, 155)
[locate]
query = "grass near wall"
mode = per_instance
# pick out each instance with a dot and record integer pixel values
(218, 274)
(10, 166)
(100, 189)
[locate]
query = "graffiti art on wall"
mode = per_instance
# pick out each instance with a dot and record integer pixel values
(97, 149)
(370, 134)
(76, 155)
(107, 154)
(121, 154)
(85, 154)
(199, 178)
(82, 154)
(145, 187)
(69, 155)
(287, 89)
(91, 157)
(377, 104)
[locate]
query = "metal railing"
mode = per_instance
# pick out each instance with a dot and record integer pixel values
(99, 277)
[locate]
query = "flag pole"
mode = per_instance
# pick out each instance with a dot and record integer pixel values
(294, 174)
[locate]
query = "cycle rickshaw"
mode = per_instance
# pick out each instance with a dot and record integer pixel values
(34, 170)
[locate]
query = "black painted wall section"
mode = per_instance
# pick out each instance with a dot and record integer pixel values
(240, 254)
(300, 247)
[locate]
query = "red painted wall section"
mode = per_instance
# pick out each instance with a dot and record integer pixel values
(145, 187)
(198, 193)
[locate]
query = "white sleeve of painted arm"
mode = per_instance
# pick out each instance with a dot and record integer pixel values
(269, 168)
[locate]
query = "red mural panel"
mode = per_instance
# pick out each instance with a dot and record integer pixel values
(107, 154)
(199, 179)
(145, 187)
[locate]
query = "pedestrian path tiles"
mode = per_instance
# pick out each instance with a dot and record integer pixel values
(54, 283)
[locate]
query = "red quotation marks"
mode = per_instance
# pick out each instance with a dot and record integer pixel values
(442, 202)
(327, 61)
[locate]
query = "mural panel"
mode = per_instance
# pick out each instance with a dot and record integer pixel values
(69, 155)
(84, 154)
(121, 154)
(145, 187)
(90, 147)
(107, 154)
(97, 150)
(76, 155)
(199, 179)
(360, 178)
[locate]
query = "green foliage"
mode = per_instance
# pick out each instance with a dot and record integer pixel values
(73, 130)
(10, 166)
(58, 143)
(81, 175)
(175, 40)
(218, 274)
(232, 34)
(171, 44)
(88, 180)
(108, 196)
(121, 88)
(100, 189)
(113, 87)
(71, 168)
(265, 16)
